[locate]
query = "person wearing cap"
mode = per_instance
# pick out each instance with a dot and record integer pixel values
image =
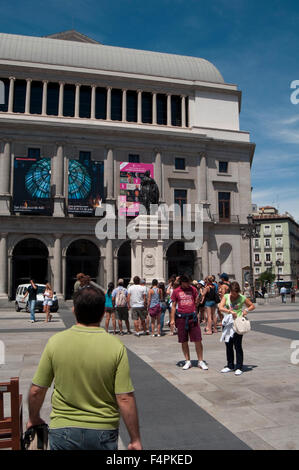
(247, 291)
(120, 303)
(137, 303)
(225, 285)
(183, 315)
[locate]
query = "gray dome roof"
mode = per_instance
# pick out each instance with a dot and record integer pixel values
(110, 58)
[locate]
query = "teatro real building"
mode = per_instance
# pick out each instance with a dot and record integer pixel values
(79, 123)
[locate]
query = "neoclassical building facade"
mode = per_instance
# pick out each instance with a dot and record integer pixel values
(69, 99)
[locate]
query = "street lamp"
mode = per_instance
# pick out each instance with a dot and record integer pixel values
(252, 230)
(278, 263)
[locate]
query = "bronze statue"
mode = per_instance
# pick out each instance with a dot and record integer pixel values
(149, 191)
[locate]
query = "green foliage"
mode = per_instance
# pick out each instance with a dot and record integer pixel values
(267, 277)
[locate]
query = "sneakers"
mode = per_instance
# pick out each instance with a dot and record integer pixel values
(203, 365)
(226, 369)
(137, 334)
(238, 372)
(121, 333)
(187, 365)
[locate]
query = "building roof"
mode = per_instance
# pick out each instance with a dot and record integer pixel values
(80, 54)
(72, 35)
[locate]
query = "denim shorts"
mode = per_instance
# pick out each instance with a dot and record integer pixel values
(210, 303)
(83, 439)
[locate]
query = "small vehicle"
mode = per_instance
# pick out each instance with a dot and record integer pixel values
(23, 304)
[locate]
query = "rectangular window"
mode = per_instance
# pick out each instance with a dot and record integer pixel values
(267, 230)
(161, 109)
(4, 106)
(131, 106)
(33, 153)
(180, 164)
(180, 197)
(101, 103)
(85, 102)
(224, 205)
(267, 242)
(116, 105)
(36, 98)
(256, 257)
(257, 270)
(223, 167)
(147, 107)
(280, 270)
(176, 110)
(52, 99)
(268, 256)
(69, 100)
(187, 111)
(134, 158)
(256, 243)
(19, 96)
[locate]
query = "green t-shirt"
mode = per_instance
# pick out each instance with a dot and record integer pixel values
(237, 305)
(89, 368)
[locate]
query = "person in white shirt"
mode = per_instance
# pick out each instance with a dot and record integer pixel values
(137, 304)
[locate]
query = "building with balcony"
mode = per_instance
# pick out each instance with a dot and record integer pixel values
(277, 248)
(75, 111)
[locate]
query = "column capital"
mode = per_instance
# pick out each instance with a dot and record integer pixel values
(78, 84)
(61, 83)
(58, 236)
(3, 235)
(109, 88)
(28, 80)
(60, 143)
(45, 81)
(157, 150)
(109, 148)
(12, 78)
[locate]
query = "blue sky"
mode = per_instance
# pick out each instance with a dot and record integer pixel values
(253, 43)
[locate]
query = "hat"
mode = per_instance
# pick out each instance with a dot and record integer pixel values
(142, 281)
(224, 276)
(202, 283)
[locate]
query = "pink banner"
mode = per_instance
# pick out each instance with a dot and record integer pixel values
(130, 179)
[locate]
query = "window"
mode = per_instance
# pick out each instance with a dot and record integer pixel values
(36, 98)
(134, 158)
(161, 109)
(116, 105)
(33, 153)
(224, 206)
(279, 256)
(267, 230)
(180, 197)
(257, 258)
(278, 242)
(267, 242)
(4, 106)
(176, 110)
(180, 164)
(101, 103)
(131, 106)
(268, 257)
(256, 243)
(257, 270)
(223, 167)
(147, 107)
(85, 102)
(52, 99)
(280, 270)
(187, 111)
(69, 100)
(19, 96)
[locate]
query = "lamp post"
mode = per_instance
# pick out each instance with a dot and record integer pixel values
(278, 263)
(252, 230)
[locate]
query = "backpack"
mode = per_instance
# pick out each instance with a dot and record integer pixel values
(121, 298)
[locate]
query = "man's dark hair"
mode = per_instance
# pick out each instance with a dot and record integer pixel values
(184, 278)
(89, 305)
(136, 280)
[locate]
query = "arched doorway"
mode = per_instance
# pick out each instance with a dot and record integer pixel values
(124, 262)
(179, 260)
(29, 261)
(82, 256)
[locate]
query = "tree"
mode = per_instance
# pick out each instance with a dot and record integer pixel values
(267, 277)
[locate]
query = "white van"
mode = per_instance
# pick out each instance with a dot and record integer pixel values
(21, 303)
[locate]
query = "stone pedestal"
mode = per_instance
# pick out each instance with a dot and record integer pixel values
(147, 257)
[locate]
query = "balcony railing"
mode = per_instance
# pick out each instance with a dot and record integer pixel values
(232, 219)
(268, 263)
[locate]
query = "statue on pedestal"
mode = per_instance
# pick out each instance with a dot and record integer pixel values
(149, 191)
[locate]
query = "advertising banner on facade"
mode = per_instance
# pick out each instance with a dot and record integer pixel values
(32, 185)
(85, 186)
(130, 179)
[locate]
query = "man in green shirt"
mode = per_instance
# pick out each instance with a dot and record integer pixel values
(92, 380)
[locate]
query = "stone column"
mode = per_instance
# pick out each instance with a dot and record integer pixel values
(60, 105)
(109, 262)
(154, 108)
(108, 110)
(45, 93)
(77, 100)
(110, 174)
(28, 96)
(3, 266)
(58, 181)
(205, 256)
(93, 102)
(139, 107)
(124, 106)
(5, 170)
(57, 265)
(158, 172)
(203, 195)
(11, 94)
(168, 109)
(183, 109)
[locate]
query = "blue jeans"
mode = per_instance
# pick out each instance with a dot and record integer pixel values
(83, 439)
(163, 311)
(32, 309)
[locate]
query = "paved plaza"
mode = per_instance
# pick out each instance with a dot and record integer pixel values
(192, 409)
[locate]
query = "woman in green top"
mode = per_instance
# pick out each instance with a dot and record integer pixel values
(233, 303)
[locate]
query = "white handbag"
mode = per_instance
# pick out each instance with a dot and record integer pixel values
(242, 325)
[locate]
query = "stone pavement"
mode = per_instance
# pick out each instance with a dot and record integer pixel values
(259, 409)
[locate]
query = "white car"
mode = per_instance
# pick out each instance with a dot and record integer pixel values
(23, 303)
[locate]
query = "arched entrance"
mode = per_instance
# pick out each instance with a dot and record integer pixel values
(124, 262)
(82, 256)
(179, 260)
(29, 261)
